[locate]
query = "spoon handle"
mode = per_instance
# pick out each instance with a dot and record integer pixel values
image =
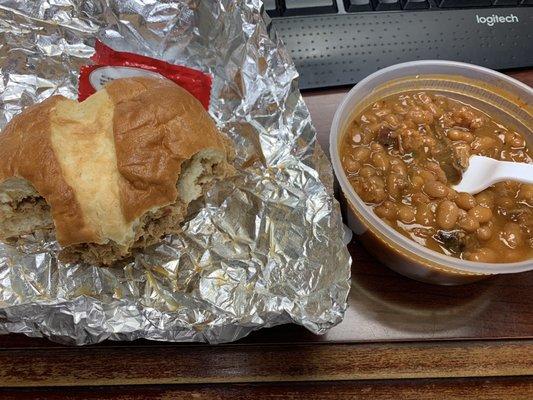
(507, 170)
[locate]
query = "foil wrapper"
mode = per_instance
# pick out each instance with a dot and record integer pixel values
(260, 250)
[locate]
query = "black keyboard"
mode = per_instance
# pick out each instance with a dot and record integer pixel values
(340, 42)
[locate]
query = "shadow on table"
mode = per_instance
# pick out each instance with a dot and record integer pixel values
(387, 300)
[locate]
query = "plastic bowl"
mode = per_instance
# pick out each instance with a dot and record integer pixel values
(511, 101)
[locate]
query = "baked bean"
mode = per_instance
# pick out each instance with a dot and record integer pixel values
(367, 171)
(410, 139)
(468, 118)
(429, 142)
(455, 134)
(526, 193)
(515, 140)
(448, 120)
(417, 182)
(468, 137)
(508, 188)
(370, 189)
(395, 183)
(376, 181)
(468, 223)
(458, 134)
(427, 175)
(435, 189)
(483, 254)
(380, 160)
(420, 116)
(408, 124)
(486, 146)
(376, 147)
(465, 113)
(477, 123)
(419, 198)
(368, 134)
(398, 161)
(485, 232)
(406, 213)
(378, 196)
(361, 154)
(387, 209)
(428, 117)
(452, 194)
(485, 198)
(351, 165)
(398, 166)
(437, 170)
(465, 200)
(374, 128)
(480, 213)
(424, 215)
(447, 214)
(393, 120)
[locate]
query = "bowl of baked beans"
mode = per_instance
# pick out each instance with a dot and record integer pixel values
(401, 140)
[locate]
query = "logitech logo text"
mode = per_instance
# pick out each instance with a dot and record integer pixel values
(497, 19)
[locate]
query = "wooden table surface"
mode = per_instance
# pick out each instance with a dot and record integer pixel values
(400, 339)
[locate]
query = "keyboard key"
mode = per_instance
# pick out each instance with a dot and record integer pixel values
(526, 3)
(415, 4)
(463, 3)
(309, 7)
(384, 5)
(505, 2)
(271, 8)
(357, 5)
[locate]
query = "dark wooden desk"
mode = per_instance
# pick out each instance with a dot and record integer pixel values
(400, 339)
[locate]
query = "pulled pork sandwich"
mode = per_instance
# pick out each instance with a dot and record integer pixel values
(111, 174)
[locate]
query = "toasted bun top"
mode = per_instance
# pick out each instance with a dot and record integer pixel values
(103, 163)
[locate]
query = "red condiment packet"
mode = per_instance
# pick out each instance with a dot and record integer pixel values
(111, 64)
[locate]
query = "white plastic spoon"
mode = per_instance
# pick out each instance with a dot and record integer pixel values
(483, 172)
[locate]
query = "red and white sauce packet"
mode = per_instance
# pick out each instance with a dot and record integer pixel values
(111, 64)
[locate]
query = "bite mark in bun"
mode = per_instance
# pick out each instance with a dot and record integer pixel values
(111, 174)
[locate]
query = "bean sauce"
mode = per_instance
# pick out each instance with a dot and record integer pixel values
(403, 154)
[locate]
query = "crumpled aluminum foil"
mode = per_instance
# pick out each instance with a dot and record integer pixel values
(261, 250)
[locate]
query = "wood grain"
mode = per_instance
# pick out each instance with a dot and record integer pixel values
(508, 388)
(170, 364)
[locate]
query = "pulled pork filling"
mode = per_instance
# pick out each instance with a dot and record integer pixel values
(24, 215)
(198, 175)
